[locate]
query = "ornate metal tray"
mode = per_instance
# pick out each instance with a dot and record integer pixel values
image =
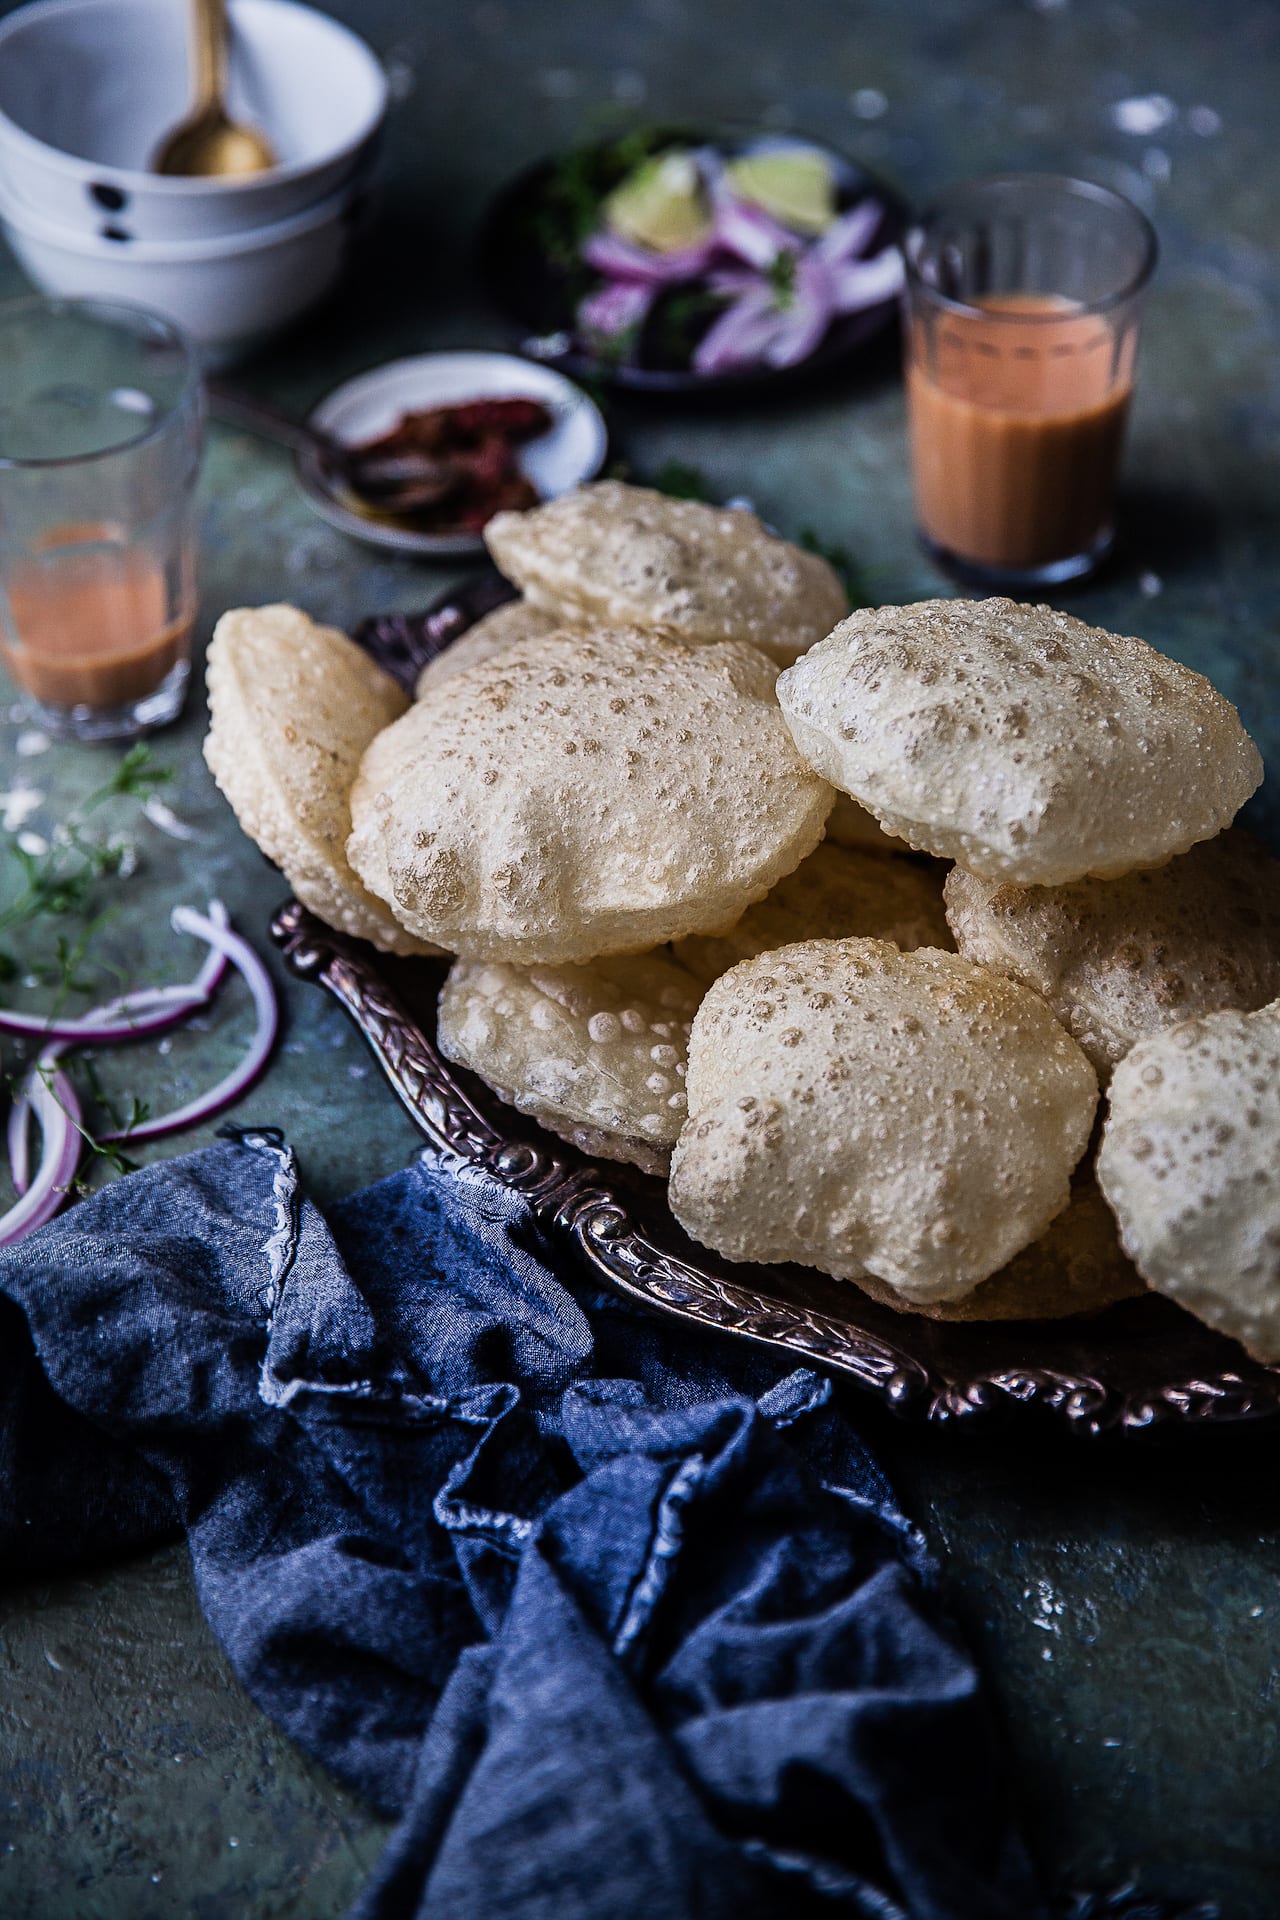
(1139, 1365)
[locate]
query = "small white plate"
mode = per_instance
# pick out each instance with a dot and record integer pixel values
(572, 451)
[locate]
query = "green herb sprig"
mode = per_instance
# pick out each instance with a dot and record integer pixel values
(60, 883)
(82, 1065)
(578, 183)
(781, 275)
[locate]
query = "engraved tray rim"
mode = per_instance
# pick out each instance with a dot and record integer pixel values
(1153, 1366)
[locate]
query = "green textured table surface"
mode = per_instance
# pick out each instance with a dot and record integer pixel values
(1123, 1598)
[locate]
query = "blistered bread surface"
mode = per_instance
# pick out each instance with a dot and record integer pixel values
(1190, 1162)
(1119, 959)
(626, 555)
(1018, 741)
(1076, 1267)
(585, 795)
(492, 635)
(863, 1110)
(597, 1052)
(292, 708)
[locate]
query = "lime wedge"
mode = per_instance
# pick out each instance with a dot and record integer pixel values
(794, 184)
(661, 204)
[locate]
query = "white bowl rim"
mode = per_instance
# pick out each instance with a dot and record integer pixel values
(34, 225)
(540, 380)
(137, 180)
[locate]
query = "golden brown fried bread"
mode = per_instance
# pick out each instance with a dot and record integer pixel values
(834, 893)
(517, 620)
(618, 555)
(1190, 1163)
(1119, 959)
(597, 1052)
(583, 795)
(863, 1110)
(1018, 741)
(292, 706)
(1076, 1267)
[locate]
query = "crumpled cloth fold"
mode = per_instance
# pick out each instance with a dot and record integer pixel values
(616, 1618)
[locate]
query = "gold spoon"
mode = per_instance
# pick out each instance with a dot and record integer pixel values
(208, 141)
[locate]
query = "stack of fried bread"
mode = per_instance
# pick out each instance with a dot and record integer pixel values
(845, 950)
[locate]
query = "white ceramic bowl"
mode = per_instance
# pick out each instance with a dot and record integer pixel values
(572, 451)
(228, 295)
(88, 88)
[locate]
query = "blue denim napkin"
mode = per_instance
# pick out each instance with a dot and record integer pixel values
(619, 1619)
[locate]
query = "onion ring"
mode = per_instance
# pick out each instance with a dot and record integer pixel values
(115, 1020)
(53, 1101)
(241, 956)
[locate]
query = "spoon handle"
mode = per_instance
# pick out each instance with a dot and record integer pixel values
(209, 34)
(237, 409)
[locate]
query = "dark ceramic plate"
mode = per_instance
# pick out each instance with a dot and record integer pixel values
(526, 245)
(1140, 1364)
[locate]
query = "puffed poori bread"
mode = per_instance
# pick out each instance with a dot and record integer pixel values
(597, 1052)
(862, 1110)
(626, 556)
(498, 630)
(836, 892)
(292, 706)
(1190, 1162)
(1076, 1267)
(850, 825)
(1018, 741)
(582, 795)
(1118, 959)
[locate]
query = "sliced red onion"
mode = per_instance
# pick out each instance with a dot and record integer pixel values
(802, 320)
(739, 336)
(849, 236)
(621, 259)
(178, 1003)
(258, 980)
(747, 230)
(757, 328)
(615, 308)
(801, 329)
(133, 1015)
(127, 1018)
(215, 961)
(865, 283)
(729, 282)
(51, 1097)
(19, 1142)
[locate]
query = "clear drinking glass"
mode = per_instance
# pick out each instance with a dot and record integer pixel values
(1022, 305)
(101, 423)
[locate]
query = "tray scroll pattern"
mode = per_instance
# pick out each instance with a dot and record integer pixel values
(582, 1199)
(578, 1199)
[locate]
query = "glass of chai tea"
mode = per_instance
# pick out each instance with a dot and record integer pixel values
(101, 422)
(1023, 299)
